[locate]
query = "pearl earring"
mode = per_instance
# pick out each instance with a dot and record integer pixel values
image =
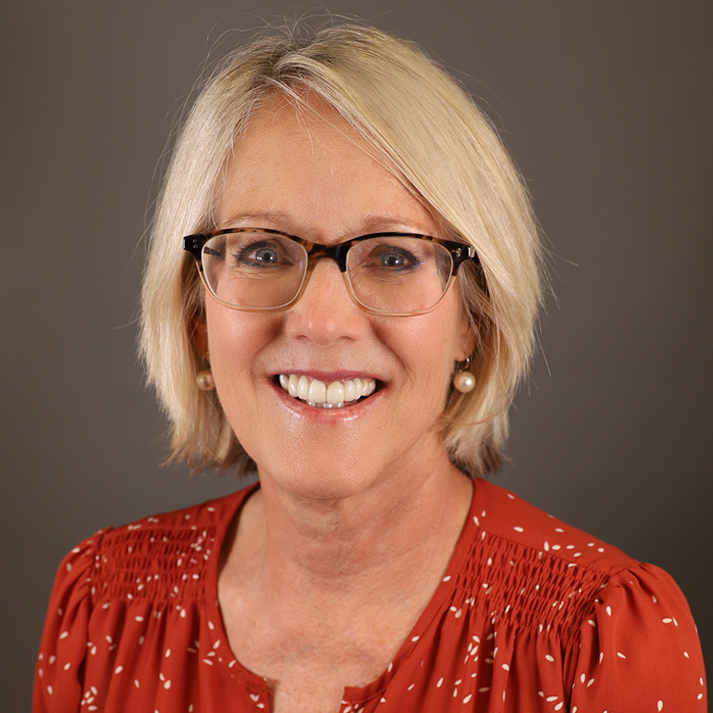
(204, 380)
(464, 381)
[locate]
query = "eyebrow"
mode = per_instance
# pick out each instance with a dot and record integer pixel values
(254, 219)
(371, 224)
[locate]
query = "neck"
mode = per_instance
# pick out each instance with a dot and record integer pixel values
(406, 524)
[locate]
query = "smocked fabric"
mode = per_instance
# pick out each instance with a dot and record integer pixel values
(531, 616)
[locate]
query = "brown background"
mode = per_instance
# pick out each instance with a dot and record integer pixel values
(607, 108)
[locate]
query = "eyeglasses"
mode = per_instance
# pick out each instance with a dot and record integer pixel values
(394, 274)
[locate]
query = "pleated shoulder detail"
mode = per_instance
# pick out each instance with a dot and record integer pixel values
(532, 616)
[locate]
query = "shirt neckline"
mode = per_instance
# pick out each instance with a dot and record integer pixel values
(352, 694)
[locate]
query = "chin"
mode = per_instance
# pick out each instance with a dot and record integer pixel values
(321, 478)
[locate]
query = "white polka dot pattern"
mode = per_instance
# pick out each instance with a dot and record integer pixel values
(531, 616)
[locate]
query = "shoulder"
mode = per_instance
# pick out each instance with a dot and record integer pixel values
(114, 586)
(120, 561)
(562, 559)
(543, 574)
(507, 516)
(152, 556)
(529, 569)
(211, 513)
(620, 620)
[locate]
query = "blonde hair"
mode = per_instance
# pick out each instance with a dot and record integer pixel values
(442, 147)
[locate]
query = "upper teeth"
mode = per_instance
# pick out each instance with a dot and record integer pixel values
(317, 393)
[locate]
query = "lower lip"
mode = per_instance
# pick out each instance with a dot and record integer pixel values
(327, 415)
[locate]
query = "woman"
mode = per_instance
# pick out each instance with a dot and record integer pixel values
(349, 314)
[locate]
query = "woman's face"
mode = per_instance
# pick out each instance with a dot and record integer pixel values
(309, 174)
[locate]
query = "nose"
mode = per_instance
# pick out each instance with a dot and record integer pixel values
(325, 313)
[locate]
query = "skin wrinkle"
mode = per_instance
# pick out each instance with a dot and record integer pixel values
(335, 532)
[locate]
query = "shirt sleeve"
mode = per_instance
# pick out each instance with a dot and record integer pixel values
(639, 649)
(63, 648)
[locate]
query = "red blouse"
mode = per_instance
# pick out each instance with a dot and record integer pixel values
(532, 615)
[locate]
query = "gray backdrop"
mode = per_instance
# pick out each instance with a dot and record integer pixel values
(606, 106)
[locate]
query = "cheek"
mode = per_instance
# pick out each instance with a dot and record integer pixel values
(234, 341)
(427, 348)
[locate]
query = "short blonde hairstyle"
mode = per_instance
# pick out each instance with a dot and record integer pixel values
(440, 145)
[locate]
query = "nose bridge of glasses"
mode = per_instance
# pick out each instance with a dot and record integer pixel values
(336, 252)
(316, 253)
(322, 290)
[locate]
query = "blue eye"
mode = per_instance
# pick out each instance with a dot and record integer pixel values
(392, 258)
(266, 255)
(262, 254)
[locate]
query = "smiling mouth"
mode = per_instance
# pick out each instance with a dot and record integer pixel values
(316, 393)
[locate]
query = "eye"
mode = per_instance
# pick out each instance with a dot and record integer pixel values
(261, 253)
(392, 258)
(264, 255)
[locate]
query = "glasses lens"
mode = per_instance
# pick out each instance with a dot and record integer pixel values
(399, 274)
(253, 270)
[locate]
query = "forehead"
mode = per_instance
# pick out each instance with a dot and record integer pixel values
(309, 169)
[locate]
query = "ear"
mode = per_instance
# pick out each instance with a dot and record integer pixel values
(467, 339)
(200, 336)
